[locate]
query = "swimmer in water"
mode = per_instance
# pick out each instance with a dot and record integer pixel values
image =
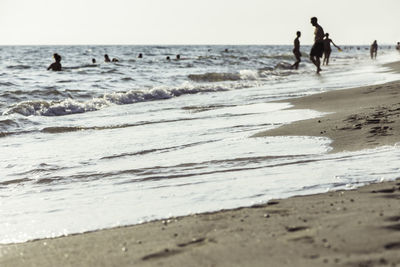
(106, 58)
(140, 55)
(56, 66)
(115, 60)
(93, 60)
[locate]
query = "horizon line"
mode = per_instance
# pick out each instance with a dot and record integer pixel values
(159, 44)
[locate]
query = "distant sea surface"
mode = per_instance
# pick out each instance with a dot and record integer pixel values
(109, 144)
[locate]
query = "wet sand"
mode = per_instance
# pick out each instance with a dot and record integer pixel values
(360, 118)
(343, 228)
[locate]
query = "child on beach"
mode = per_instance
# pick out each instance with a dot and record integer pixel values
(296, 51)
(327, 48)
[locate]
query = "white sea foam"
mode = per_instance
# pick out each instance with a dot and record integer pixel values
(72, 106)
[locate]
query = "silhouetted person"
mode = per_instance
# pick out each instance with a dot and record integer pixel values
(93, 60)
(374, 49)
(168, 58)
(178, 57)
(56, 66)
(327, 48)
(140, 55)
(296, 51)
(318, 48)
(398, 46)
(106, 58)
(115, 60)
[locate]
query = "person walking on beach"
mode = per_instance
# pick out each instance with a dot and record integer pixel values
(56, 66)
(296, 51)
(374, 50)
(318, 48)
(327, 48)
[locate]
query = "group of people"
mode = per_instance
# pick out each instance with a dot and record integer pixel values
(321, 47)
(56, 66)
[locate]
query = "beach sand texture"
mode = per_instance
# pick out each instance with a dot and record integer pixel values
(344, 228)
(360, 118)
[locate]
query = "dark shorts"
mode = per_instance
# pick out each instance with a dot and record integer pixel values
(317, 50)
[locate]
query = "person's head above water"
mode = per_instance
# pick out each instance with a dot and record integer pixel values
(57, 57)
(298, 33)
(93, 60)
(106, 58)
(314, 21)
(56, 66)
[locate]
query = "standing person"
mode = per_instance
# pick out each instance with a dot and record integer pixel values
(327, 48)
(56, 66)
(318, 48)
(374, 50)
(296, 51)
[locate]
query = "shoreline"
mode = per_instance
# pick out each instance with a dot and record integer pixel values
(341, 228)
(369, 116)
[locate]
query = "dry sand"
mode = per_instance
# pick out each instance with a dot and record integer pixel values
(343, 228)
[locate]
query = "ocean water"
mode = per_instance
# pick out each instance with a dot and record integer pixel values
(110, 144)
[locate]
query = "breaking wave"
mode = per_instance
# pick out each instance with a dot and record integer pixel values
(71, 106)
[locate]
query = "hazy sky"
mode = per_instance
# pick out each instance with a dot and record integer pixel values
(195, 21)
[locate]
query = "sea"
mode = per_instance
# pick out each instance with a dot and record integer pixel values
(105, 145)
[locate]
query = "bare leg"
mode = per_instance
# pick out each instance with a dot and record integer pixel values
(296, 64)
(318, 64)
(316, 61)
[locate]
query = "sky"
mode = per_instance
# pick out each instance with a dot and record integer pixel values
(72, 22)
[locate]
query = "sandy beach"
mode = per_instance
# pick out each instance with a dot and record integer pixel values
(360, 118)
(343, 228)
